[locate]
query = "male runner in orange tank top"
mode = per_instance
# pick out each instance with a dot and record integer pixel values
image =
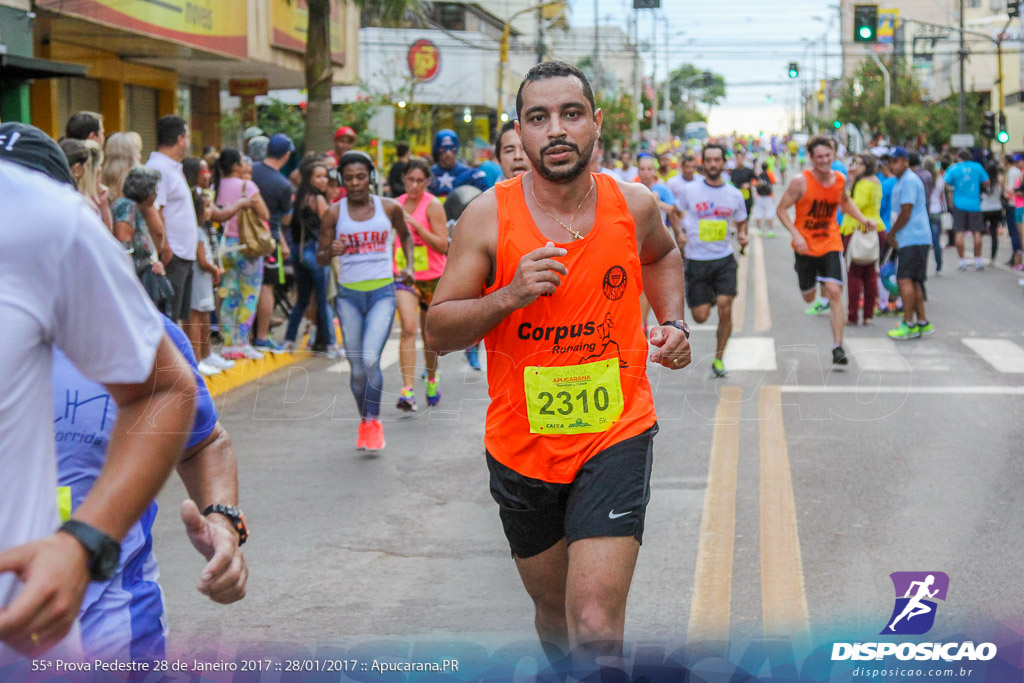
(549, 267)
(819, 248)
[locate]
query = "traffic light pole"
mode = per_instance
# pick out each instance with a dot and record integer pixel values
(999, 58)
(885, 75)
(962, 123)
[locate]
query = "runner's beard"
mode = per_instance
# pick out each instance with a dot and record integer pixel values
(712, 177)
(566, 175)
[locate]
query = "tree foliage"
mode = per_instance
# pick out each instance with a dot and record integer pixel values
(908, 119)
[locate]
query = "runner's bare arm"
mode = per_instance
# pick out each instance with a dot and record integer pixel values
(663, 277)
(153, 419)
(459, 316)
(328, 247)
(791, 196)
(397, 216)
(209, 471)
(741, 232)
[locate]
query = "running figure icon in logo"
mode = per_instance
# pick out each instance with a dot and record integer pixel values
(918, 590)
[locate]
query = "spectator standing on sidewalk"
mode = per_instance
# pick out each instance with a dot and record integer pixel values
(122, 152)
(177, 233)
(965, 181)
(276, 192)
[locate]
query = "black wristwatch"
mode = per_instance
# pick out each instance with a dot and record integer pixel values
(103, 551)
(679, 325)
(236, 517)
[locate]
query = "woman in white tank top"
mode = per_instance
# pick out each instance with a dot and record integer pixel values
(361, 239)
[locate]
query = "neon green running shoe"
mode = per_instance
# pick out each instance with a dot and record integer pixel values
(818, 308)
(926, 329)
(904, 332)
(433, 392)
(718, 367)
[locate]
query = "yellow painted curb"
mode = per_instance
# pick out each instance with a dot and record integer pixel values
(246, 371)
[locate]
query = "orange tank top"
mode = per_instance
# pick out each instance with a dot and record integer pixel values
(567, 374)
(816, 214)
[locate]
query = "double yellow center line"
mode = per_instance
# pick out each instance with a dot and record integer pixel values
(783, 596)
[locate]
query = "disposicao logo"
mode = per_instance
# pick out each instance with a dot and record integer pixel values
(916, 592)
(913, 615)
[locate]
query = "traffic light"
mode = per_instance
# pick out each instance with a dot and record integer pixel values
(646, 4)
(1013, 8)
(865, 23)
(794, 70)
(707, 79)
(988, 126)
(836, 124)
(1002, 136)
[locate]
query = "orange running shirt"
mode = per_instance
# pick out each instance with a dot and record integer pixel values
(816, 214)
(567, 374)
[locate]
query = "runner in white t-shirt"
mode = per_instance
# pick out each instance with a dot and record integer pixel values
(708, 208)
(67, 283)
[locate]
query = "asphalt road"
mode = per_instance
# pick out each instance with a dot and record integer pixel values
(783, 495)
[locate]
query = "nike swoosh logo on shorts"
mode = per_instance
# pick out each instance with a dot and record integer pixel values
(612, 515)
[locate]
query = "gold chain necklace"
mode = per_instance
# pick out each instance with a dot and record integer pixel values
(575, 233)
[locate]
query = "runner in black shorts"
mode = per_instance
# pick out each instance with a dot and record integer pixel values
(810, 270)
(608, 497)
(709, 206)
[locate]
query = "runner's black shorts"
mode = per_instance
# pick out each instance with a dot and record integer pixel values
(705, 280)
(912, 263)
(963, 221)
(608, 497)
(813, 269)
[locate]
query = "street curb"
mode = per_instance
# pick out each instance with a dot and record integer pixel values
(246, 371)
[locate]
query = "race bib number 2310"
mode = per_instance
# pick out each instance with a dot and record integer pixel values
(573, 399)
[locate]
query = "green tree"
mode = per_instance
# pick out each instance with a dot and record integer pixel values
(319, 68)
(619, 114)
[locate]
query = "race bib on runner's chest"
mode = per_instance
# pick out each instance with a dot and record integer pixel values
(745, 191)
(712, 229)
(573, 399)
(420, 258)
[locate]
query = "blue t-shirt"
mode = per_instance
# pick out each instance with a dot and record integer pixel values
(276, 192)
(888, 183)
(910, 190)
(129, 604)
(665, 195)
(492, 172)
(966, 178)
(446, 180)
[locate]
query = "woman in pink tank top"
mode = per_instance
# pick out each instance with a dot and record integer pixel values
(425, 217)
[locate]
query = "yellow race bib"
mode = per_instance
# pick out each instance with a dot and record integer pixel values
(420, 259)
(573, 399)
(712, 229)
(745, 191)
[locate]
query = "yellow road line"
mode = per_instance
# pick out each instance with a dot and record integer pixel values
(783, 597)
(739, 304)
(712, 582)
(762, 310)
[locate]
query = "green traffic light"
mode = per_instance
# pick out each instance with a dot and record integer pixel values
(792, 73)
(865, 32)
(837, 124)
(1003, 137)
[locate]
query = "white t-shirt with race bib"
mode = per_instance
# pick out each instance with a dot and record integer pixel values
(65, 282)
(708, 212)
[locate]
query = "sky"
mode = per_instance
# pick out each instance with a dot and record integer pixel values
(749, 43)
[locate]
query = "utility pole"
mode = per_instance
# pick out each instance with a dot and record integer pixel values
(654, 74)
(541, 50)
(597, 40)
(962, 125)
(636, 76)
(667, 92)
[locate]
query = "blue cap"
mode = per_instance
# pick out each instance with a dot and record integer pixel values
(899, 153)
(279, 145)
(446, 138)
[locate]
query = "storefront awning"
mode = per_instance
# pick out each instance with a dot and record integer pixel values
(18, 68)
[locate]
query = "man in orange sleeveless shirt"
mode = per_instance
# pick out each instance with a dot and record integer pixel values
(817, 192)
(548, 268)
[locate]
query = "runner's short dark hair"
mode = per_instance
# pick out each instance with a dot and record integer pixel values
(818, 141)
(509, 125)
(402, 148)
(554, 69)
(713, 145)
(83, 124)
(168, 129)
(914, 158)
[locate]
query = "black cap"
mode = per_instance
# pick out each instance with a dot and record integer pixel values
(32, 148)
